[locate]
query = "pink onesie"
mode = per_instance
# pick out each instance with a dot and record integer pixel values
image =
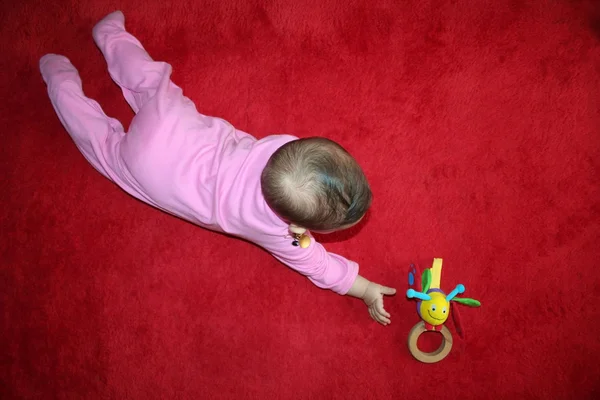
(196, 167)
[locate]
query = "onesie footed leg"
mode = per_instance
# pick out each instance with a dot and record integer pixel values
(110, 24)
(57, 69)
(129, 64)
(96, 135)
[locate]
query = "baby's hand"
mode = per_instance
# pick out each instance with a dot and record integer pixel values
(373, 297)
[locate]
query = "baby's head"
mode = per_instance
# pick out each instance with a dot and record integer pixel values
(315, 184)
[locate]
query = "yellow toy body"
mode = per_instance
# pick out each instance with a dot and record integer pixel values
(435, 311)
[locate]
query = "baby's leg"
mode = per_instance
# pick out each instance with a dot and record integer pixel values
(129, 64)
(96, 135)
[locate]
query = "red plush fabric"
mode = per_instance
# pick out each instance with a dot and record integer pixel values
(477, 123)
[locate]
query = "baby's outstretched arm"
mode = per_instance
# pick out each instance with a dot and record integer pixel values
(372, 294)
(332, 271)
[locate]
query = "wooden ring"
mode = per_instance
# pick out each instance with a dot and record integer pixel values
(434, 356)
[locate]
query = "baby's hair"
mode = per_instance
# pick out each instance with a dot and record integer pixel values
(315, 183)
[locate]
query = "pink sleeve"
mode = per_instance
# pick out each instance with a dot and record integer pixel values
(326, 270)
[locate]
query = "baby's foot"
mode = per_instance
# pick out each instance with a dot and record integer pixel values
(56, 69)
(113, 22)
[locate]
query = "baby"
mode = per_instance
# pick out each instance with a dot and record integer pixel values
(272, 191)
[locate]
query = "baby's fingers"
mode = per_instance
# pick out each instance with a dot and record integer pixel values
(382, 319)
(388, 291)
(379, 308)
(375, 316)
(372, 314)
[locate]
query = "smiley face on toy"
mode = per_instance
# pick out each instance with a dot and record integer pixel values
(436, 310)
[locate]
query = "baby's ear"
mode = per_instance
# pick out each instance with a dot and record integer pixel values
(297, 229)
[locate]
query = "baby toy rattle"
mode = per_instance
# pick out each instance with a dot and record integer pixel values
(433, 307)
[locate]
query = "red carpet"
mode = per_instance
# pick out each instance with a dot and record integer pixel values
(477, 123)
